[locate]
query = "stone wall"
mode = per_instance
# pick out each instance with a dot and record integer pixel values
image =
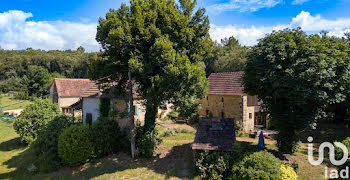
(229, 107)
(248, 116)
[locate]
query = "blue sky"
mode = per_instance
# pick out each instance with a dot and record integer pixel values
(68, 24)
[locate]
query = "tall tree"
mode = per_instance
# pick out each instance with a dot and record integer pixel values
(38, 81)
(163, 44)
(297, 77)
(227, 56)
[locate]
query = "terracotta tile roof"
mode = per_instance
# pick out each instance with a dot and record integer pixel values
(215, 134)
(108, 91)
(72, 87)
(226, 83)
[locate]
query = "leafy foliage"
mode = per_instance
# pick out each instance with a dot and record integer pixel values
(33, 118)
(146, 141)
(288, 173)
(88, 118)
(37, 80)
(215, 164)
(105, 107)
(229, 56)
(259, 165)
(46, 144)
(163, 44)
(339, 153)
(75, 145)
(15, 67)
(297, 76)
(107, 137)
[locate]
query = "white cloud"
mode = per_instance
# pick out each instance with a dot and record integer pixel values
(16, 32)
(299, 2)
(243, 5)
(310, 24)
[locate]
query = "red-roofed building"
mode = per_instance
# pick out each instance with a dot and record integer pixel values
(226, 99)
(67, 92)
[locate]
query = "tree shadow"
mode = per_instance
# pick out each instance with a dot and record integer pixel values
(20, 163)
(325, 132)
(178, 162)
(11, 144)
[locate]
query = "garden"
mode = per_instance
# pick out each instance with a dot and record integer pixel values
(65, 150)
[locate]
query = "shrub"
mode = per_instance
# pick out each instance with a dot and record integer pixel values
(215, 164)
(146, 141)
(88, 118)
(287, 142)
(46, 144)
(105, 107)
(288, 173)
(75, 145)
(33, 118)
(339, 153)
(260, 165)
(107, 137)
(22, 96)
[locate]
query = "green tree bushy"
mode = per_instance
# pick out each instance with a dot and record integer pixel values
(75, 145)
(107, 136)
(163, 44)
(297, 77)
(227, 56)
(46, 144)
(260, 165)
(33, 118)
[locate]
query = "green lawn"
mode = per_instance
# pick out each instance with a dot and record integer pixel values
(7, 101)
(173, 158)
(171, 162)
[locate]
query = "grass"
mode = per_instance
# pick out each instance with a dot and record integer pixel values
(171, 162)
(7, 101)
(173, 159)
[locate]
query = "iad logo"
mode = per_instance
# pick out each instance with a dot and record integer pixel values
(334, 173)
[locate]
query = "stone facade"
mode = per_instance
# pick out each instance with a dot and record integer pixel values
(229, 106)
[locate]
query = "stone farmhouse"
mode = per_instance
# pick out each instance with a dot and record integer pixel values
(68, 92)
(82, 96)
(226, 99)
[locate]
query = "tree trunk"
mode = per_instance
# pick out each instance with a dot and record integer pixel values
(150, 117)
(131, 116)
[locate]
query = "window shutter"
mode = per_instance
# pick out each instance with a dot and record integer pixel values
(137, 110)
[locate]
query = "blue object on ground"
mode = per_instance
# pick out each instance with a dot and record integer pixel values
(7, 116)
(261, 144)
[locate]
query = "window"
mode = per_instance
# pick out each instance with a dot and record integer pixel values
(207, 98)
(222, 115)
(250, 115)
(207, 112)
(222, 99)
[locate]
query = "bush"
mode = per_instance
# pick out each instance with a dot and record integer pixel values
(288, 173)
(88, 118)
(33, 118)
(287, 141)
(260, 165)
(75, 145)
(22, 96)
(46, 144)
(215, 164)
(105, 107)
(339, 153)
(107, 137)
(146, 141)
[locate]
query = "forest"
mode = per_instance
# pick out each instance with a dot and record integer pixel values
(31, 72)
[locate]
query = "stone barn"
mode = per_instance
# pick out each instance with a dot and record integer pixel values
(226, 99)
